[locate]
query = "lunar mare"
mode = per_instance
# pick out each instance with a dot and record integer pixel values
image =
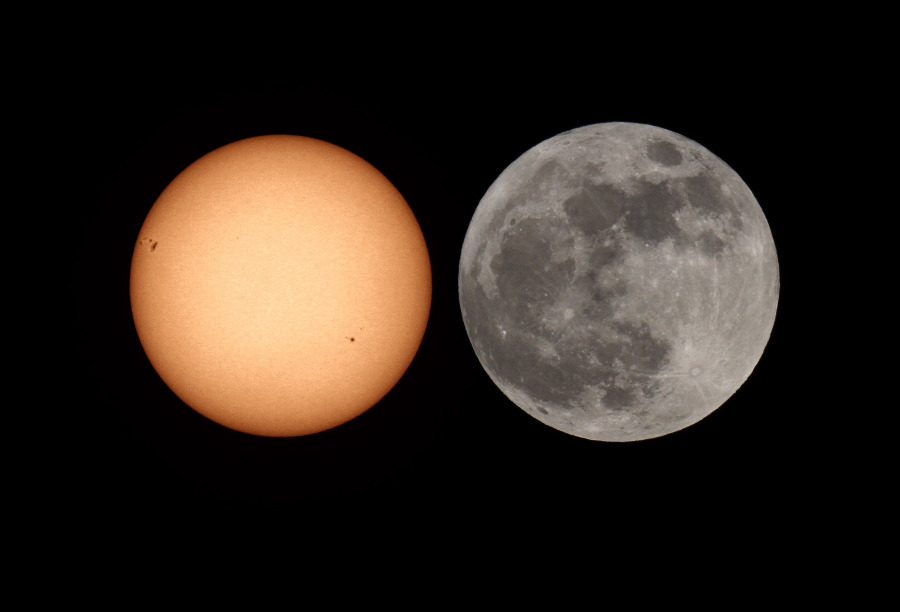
(618, 282)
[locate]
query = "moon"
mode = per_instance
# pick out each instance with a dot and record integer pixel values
(618, 282)
(280, 285)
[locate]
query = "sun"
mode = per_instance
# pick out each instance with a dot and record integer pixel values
(280, 285)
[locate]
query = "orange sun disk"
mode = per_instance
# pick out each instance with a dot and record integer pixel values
(280, 285)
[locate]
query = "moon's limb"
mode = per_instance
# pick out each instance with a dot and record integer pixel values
(618, 282)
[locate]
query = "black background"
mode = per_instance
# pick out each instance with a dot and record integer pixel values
(445, 452)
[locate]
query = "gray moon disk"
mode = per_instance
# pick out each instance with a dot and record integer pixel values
(618, 282)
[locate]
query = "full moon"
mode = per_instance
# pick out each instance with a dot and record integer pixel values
(280, 285)
(618, 282)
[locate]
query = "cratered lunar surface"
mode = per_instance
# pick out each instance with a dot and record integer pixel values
(618, 282)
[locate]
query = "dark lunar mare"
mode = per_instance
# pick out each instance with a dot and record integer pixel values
(512, 328)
